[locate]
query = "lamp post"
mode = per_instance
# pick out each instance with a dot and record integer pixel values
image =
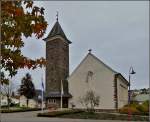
(131, 72)
(0, 101)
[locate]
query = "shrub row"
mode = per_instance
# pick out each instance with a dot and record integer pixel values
(58, 113)
(91, 115)
(19, 110)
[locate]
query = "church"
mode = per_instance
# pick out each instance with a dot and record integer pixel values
(90, 74)
(94, 75)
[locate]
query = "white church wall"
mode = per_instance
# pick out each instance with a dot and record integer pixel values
(101, 83)
(122, 89)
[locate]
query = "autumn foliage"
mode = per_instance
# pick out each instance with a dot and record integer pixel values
(18, 19)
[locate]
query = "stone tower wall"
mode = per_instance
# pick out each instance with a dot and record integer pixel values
(57, 67)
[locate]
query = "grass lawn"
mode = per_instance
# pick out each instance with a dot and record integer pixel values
(90, 115)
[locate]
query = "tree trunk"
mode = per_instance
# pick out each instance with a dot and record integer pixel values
(19, 101)
(8, 102)
(27, 102)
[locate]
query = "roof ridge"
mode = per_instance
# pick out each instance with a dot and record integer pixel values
(94, 58)
(103, 62)
(78, 65)
(115, 72)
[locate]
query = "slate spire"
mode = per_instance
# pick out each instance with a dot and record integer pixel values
(57, 31)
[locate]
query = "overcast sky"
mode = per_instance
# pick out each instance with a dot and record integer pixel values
(117, 33)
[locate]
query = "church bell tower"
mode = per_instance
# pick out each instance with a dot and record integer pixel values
(57, 66)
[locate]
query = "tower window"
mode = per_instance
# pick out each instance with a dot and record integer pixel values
(52, 100)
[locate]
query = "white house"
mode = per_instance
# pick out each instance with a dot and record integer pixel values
(15, 99)
(34, 102)
(93, 74)
(3, 100)
(23, 102)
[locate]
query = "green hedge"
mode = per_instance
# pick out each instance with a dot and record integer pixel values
(58, 113)
(19, 110)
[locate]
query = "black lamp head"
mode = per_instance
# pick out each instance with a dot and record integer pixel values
(132, 71)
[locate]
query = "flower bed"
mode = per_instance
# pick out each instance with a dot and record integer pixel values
(58, 113)
(136, 109)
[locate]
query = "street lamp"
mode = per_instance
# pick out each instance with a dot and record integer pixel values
(131, 72)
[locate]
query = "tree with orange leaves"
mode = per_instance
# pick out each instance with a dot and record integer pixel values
(18, 19)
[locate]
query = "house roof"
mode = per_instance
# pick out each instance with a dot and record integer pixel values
(90, 54)
(57, 31)
(141, 97)
(16, 97)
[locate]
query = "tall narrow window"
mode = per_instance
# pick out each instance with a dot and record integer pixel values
(89, 76)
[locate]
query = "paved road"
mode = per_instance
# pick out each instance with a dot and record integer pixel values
(31, 117)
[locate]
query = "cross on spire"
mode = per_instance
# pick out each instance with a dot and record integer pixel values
(56, 15)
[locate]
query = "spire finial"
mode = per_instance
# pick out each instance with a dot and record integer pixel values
(90, 50)
(56, 15)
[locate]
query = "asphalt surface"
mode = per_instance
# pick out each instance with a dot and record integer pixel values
(31, 117)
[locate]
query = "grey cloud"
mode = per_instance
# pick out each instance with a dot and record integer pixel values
(117, 32)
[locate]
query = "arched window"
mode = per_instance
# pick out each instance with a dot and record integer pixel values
(89, 76)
